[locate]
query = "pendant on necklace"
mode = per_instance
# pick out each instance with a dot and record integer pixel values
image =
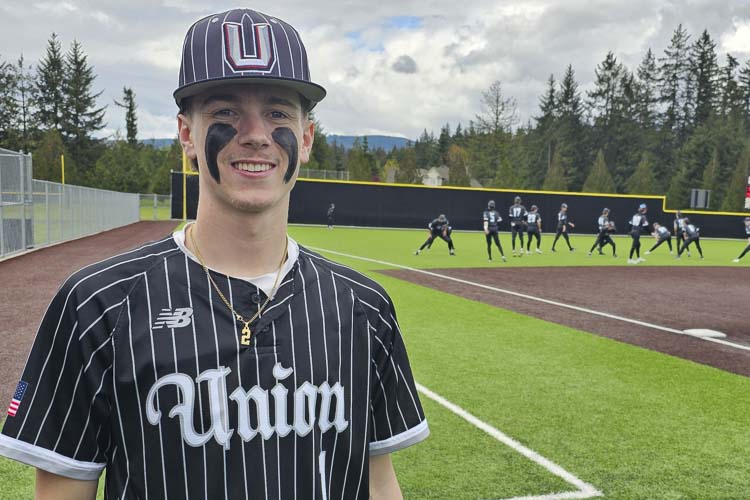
(245, 339)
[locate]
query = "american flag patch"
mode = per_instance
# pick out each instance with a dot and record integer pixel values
(17, 397)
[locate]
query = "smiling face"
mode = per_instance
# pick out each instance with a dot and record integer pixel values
(248, 141)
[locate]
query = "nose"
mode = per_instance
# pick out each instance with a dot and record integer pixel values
(253, 132)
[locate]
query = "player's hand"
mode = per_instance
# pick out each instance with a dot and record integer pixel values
(486, 231)
(571, 224)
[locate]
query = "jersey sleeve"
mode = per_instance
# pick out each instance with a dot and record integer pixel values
(57, 419)
(397, 417)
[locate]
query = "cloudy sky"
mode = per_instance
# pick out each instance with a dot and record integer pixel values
(390, 66)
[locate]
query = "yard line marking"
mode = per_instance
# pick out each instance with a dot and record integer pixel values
(585, 490)
(539, 299)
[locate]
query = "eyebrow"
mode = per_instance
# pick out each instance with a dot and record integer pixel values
(270, 100)
(280, 101)
(220, 98)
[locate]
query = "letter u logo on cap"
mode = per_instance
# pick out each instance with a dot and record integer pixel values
(235, 48)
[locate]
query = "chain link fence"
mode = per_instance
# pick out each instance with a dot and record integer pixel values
(156, 206)
(313, 173)
(36, 213)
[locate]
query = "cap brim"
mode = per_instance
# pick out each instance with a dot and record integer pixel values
(311, 91)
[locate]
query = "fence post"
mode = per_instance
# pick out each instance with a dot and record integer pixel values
(46, 212)
(23, 202)
(156, 201)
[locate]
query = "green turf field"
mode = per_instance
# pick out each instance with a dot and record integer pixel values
(630, 422)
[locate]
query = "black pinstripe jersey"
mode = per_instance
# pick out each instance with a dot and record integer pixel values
(137, 368)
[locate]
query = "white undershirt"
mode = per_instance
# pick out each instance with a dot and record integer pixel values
(265, 281)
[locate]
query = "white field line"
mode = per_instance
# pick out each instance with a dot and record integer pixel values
(585, 490)
(539, 299)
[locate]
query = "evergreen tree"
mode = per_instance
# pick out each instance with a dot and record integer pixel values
(357, 163)
(675, 87)
(49, 92)
(458, 166)
(643, 180)
(647, 91)
(571, 141)
(82, 118)
(444, 143)
(28, 127)
(131, 120)
(711, 178)
(734, 200)
(731, 102)
(744, 91)
(321, 155)
(425, 150)
(9, 134)
(556, 179)
(705, 70)
(599, 180)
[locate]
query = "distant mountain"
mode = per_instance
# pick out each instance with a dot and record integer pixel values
(385, 142)
(158, 143)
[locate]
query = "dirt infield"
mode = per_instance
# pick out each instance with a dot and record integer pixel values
(29, 281)
(716, 298)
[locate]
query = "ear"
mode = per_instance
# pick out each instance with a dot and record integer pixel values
(308, 135)
(184, 134)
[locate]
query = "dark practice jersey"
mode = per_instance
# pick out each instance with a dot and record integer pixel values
(137, 368)
(679, 224)
(747, 229)
(562, 219)
(436, 226)
(691, 230)
(517, 213)
(663, 232)
(638, 222)
(492, 218)
(330, 211)
(603, 224)
(532, 218)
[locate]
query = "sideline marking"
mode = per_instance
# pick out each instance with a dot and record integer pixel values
(539, 299)
(585, 490)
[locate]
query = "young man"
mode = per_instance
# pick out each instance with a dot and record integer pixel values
(562, 227)
(747, 233)
(605, 227)
(517, 214)
(661, 234)
(438, 228)
(329, 215)
(225, 361)
(692, 235)
(534, 229)
(490, 221)
(637, 222)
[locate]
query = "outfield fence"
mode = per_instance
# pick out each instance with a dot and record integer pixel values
(36, 213)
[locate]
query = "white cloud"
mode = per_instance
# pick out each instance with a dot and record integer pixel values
(737, 40)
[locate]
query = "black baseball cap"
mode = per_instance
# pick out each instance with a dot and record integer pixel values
(244, 46)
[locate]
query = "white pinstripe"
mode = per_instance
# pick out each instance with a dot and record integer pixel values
(294, 367)
(365, 450)
(156, 377)
(338, 322)
(239, 377)
(137, 395)
(351, 384)
(312, 375)
(395, 373)
(197, 371)
(174, 354)
(119, 419)
(218, 365)
(88, 417)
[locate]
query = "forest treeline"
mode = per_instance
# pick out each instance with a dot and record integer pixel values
(679, 120)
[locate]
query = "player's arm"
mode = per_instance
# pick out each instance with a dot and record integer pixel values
(383, 481)
(486, 227)
(53, 487)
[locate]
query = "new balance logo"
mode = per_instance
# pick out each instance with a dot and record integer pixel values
(179, 318)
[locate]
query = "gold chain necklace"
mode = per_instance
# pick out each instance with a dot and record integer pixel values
(246, 333)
